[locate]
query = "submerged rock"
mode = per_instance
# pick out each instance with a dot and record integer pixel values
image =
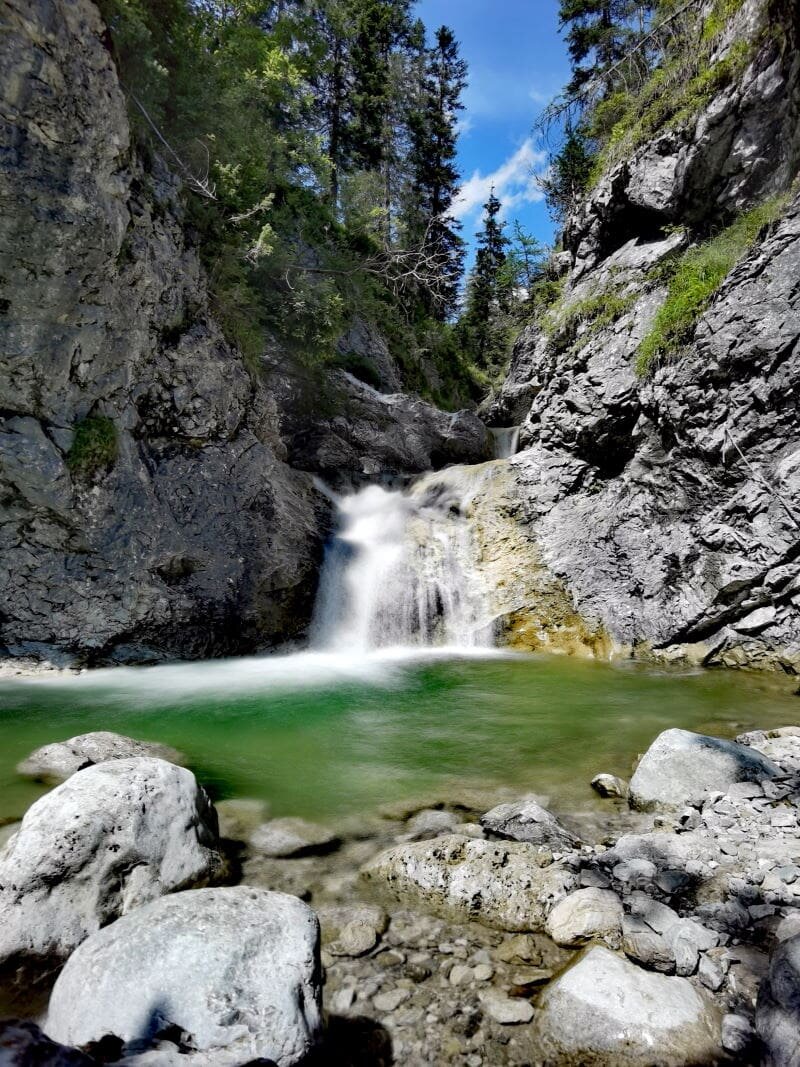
(778, 1009)
(108, 840)
(586, 915)
(496, 883)
(292, 837)
(608, 1012)
(679, 765)
(527, 820)
(60, 760)
(235, 971)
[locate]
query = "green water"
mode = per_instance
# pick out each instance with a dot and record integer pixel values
(320, 736)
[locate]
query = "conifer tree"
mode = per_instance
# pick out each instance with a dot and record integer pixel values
(489, 291)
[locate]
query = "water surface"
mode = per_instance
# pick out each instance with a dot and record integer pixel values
(321, 735)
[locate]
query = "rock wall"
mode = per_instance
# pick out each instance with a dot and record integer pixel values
(669, 506)
(199, 538)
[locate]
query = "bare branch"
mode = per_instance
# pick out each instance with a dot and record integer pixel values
(199, 185)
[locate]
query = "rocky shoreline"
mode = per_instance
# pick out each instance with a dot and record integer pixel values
(141, 924)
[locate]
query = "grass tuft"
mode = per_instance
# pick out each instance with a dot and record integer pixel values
(94, 446)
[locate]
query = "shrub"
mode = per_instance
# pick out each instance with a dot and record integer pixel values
(94, 446)
(698, 274)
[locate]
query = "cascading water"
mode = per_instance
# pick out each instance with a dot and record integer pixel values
(401, 572)
(506, 441)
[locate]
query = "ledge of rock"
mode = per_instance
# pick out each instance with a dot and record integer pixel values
(499, 884)
(60, 760)
(235, 971)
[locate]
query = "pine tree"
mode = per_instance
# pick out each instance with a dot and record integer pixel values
(489, 292)
(433, 131)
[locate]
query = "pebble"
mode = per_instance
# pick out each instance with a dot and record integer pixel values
(737, 1033)
(460, 974)
(507, 1011)
(390, 1000)
(483, 972)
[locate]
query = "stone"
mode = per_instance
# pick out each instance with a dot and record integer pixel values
(521, 948)
(668, 773)
(390, 1000)
(606, 1011)
(609, 785)
(483, 972)
(526, 820)
(646, 946)
(239, 817)
(460, 974)
(289, 837)
(737, 1033)
(508, 1011)
(778, 1006)
(496, 883)
(108, 840)
(586, 915)
(336, 918)
(22, 1044)
(58, 761)
(431, 823)
(236, 969)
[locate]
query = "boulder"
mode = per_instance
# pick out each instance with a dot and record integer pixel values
(679, 764)
(606, 1011)
(527, 820)
(586, 915)
(778, 1008)
(22, 1044)
(108, 840)
(235, 971)
(458, 878)
(60, 760)
(609, 785)
(292, 837)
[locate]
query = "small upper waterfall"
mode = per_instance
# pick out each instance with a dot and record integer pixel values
(400, 571)
(506, 441)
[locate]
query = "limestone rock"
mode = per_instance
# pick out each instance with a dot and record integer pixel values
(609, 785)
(57, 761)
(606, 1011)
(586, 915)
(496, 883)
(110, 839)
(505, 1010)
(292, 837)
(680, 763)
(527, 820)
(778, 1008)
(236, 970)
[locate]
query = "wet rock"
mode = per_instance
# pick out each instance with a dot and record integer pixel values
(496, 883)
(778, 1008)
(58, 761)
(236, 970)
(606, 1011)
(431, 823)
(508, 1011)
(239, 817)
(108, 840)
(22, 1044)
(669, 772)
(281, 838)
(609, 785)
(527, 820)
(586, 915)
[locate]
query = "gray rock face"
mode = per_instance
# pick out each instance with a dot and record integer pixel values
(527, 820)
(499, 884)
(778, 1010)
(198, 538)
(57, 762)
(108, 840)
(608, 1012)
(680, 764)
(235, 969)
(668, 505)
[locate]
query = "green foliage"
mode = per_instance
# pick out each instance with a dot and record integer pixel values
(94, 446)
(570, 171)
(698, 274)
(576, 322)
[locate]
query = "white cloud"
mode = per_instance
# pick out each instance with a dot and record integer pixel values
(514, 183)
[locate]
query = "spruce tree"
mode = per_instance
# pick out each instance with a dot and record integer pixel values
(489, 292)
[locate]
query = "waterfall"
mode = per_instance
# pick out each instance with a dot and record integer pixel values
(401, 572)
(506, 441)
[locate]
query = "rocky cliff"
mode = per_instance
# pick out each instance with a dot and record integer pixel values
(147, 504)
(667, 503)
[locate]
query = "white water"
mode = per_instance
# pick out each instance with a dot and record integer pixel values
(400, 573)
(506, 441)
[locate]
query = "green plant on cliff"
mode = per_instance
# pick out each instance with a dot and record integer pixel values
(94, 446)
(697, 275)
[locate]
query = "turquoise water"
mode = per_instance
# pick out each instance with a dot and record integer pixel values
(320, 735)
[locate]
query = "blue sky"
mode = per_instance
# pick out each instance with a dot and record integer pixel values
(517, 62)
